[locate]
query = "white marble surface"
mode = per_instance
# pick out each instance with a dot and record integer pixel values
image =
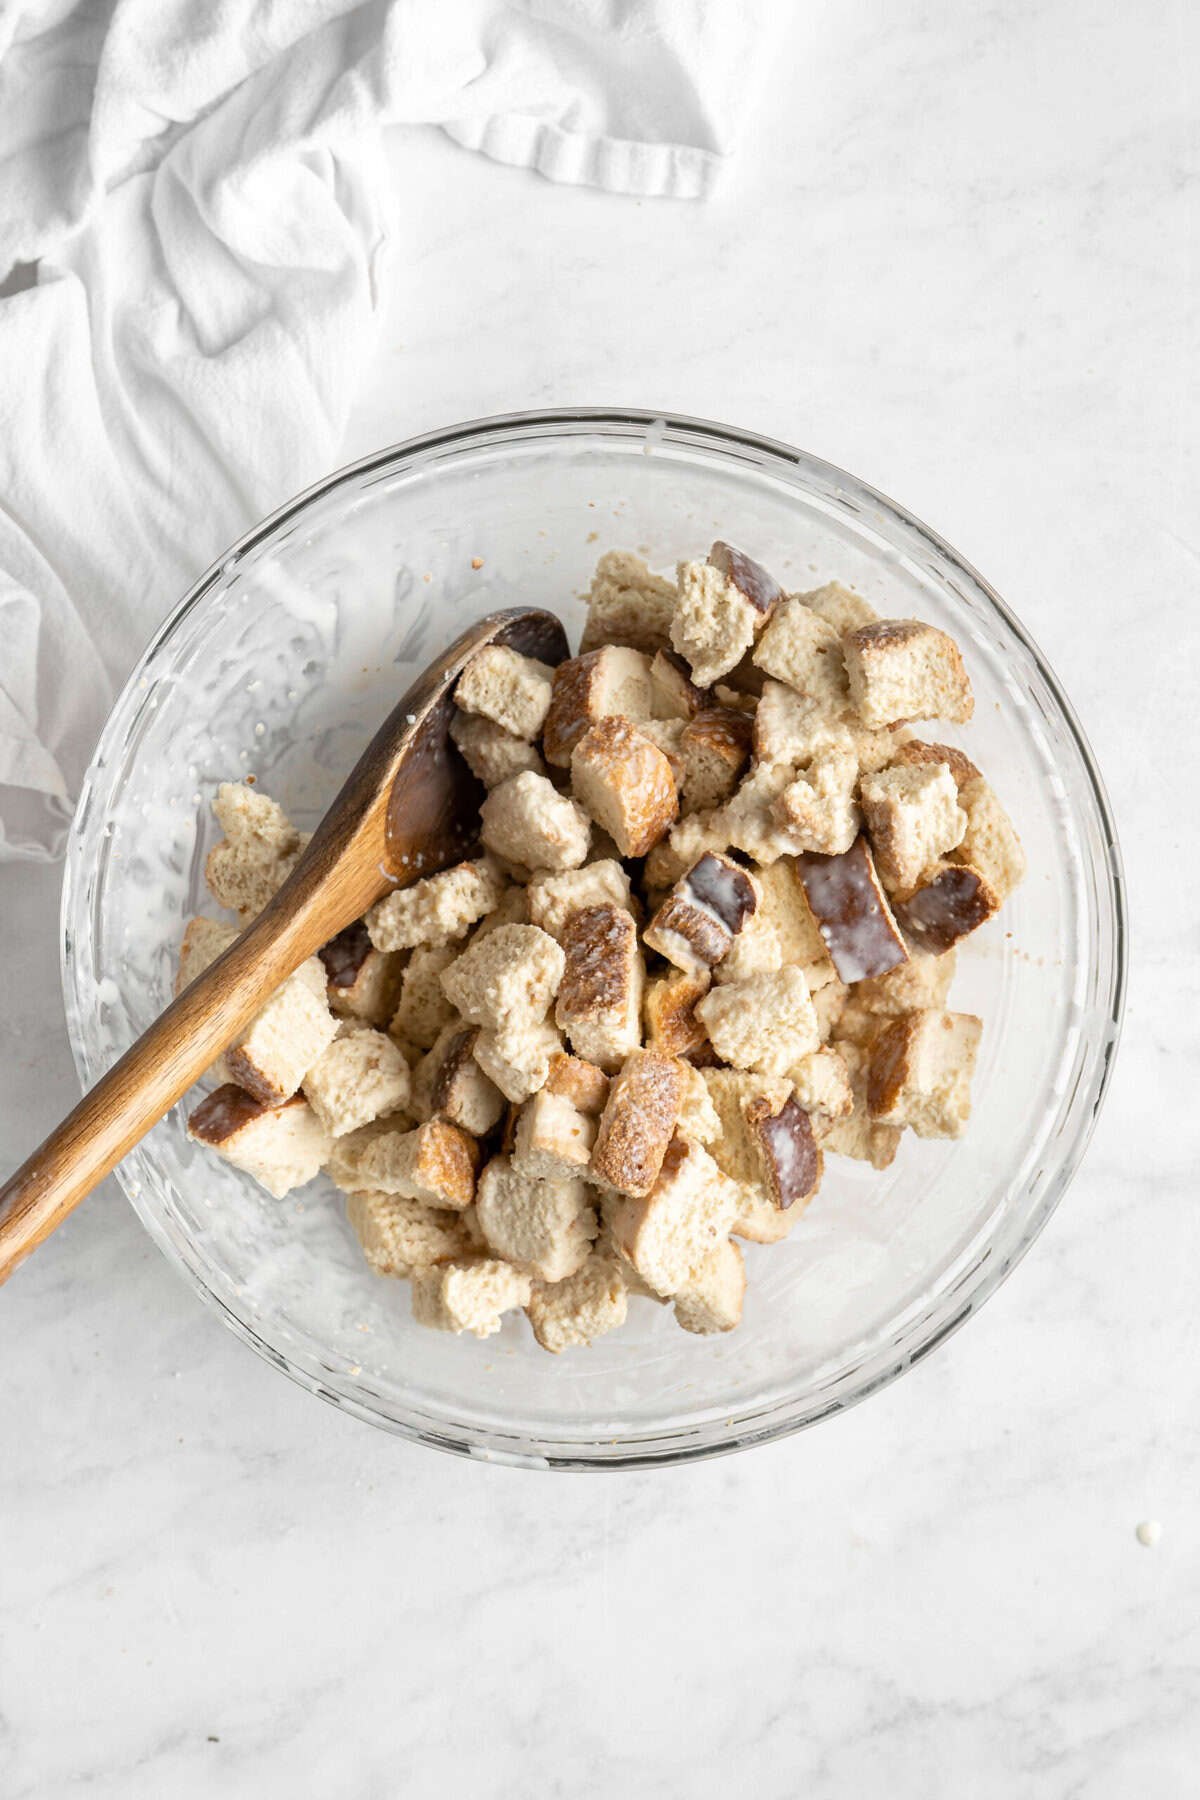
(959, 256)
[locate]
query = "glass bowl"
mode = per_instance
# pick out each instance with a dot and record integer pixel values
(282, 661)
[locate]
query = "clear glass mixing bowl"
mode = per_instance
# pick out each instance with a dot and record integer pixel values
(282, 661)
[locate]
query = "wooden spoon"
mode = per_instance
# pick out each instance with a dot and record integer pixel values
(410, 807)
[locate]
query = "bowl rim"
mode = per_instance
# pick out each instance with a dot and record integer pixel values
(654, 1448)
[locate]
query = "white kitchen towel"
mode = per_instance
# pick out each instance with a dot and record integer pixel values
(202, 187)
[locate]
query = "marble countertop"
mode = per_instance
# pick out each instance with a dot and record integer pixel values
(958, 256)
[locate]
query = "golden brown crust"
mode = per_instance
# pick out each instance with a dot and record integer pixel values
(638, 1122)
(670, 1015)
(580, 1082)
(916, 752)
(568, 720)
(626, 784)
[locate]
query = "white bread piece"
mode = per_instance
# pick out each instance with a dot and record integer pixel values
(628, 605)
(438, 909)
(470, 1294)
(518, 1057)
(819, 806)
(804, 651)
(920, 1072)
(510, 689)
(490, 752)
(435, 1163)
(669, 1013)
(766, 1022)
(545, 1227)
(952, 901)
(912, 817)
(399, 1235)
(573, 1312)
(580, 1082)
(768, 1147)
(903, 669)
(361, 982)
(851, 908)
(530, 823)
(594, 686)
(203, 941)
(344, 1162)
(667, 734)
(712, 1300)
(669, 1234)
(795, 728)
(698, 1118)
(990, 843)
(512, 908)
(856, 1134)
(282, 1147)
(698, 923)
(506, 979)
(553, 1137)
(272, 1054)
(449, 1083)
(713, 751)
(723, 605)
(624, 782)
(674, 695)
(600, 989)
(829, 1003)
(555, 898)
(638, 1122)
(756, 950)
(842, 608)
(260, 849)
(785, 904)
(821, 1083)
(423, 1010)
(752, 817)
(684, 845)
(360, 1077)
(922, 981)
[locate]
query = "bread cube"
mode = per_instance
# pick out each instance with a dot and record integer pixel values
(819, 806)
(670, 1233)
(203, 941)
(673, 693)
(361, 982)
(260, 849)
(624, 783)
(785, 905)
(470, 1294)
(512, 690)
(684, 845)
(423, 1010)
(922, 981)
(628, 605)
(765, 1023)
(490, 752)
(755, 950)
(913, 818)
(554, 899)
(638, 1122)
(990, 843)
(821, 1083)
(829, 1002)
(804, 651)
(952, 901)
(544, 1226)
(706, 910)
(852, 912)
(282, 1147)
(920, 1072)
(698, 1117)
(916, 754)
(840, 607)
(553, 1137)
(754, 818)
(399, 1235)
(360, 1077)
(449, 1083)
(599, 1003)
(714, 749)
(528, 821)
(507, 979)
(903, 669)
(580, 1082)
(856, 1134)
(669, 1013)
(591, 687)
(438, 909)
(795, 728)
(581, 1308)
(667, 736)
(436, 1164)
(712, 1300)
(518, 1057)
(767, 1146)
(273, 1053)
(723, 605)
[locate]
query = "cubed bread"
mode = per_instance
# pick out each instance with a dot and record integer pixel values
(570, 1313)
(599, 1004)
(435, 1163)
(512, 908)
(856, 1134)
(638, 1122)
(449, 1083)
(765, 1023)
(552, 1137)
(670, 1233)
(903, 669)
(706, 910)
(712, 1300)
(438, 909)
(627, 604)
(624, 782)
(685, 843)
(840, 607)
(203, 941)
(667, 736)
(360, 1077)
(282, 1147)
(580, 1082)
(819, 807)
(512, 690)
(829, 1003)
(361, 982)
(804, 651)
(920, 1072)
(469, 1294)
(752, 818)
(423, 1010)
(260, 849)
(723, 605)
(528, 821)
(952, 901)
(990, 843)
(399, 1235)
(698, 1118)
(912, 817)
(273, 1053)
(591, 687)
(518, 1056)
(785, 905)
(673, 693)
(714, 749)
(914, 753)
(490, 752)
(669, 1013)
(821, 1083)
(768, 1147)
(922, 981)
(848, 902)
(792, 728)
(555, 898)
(755, 950)
(544, 1226)
(507, 979)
